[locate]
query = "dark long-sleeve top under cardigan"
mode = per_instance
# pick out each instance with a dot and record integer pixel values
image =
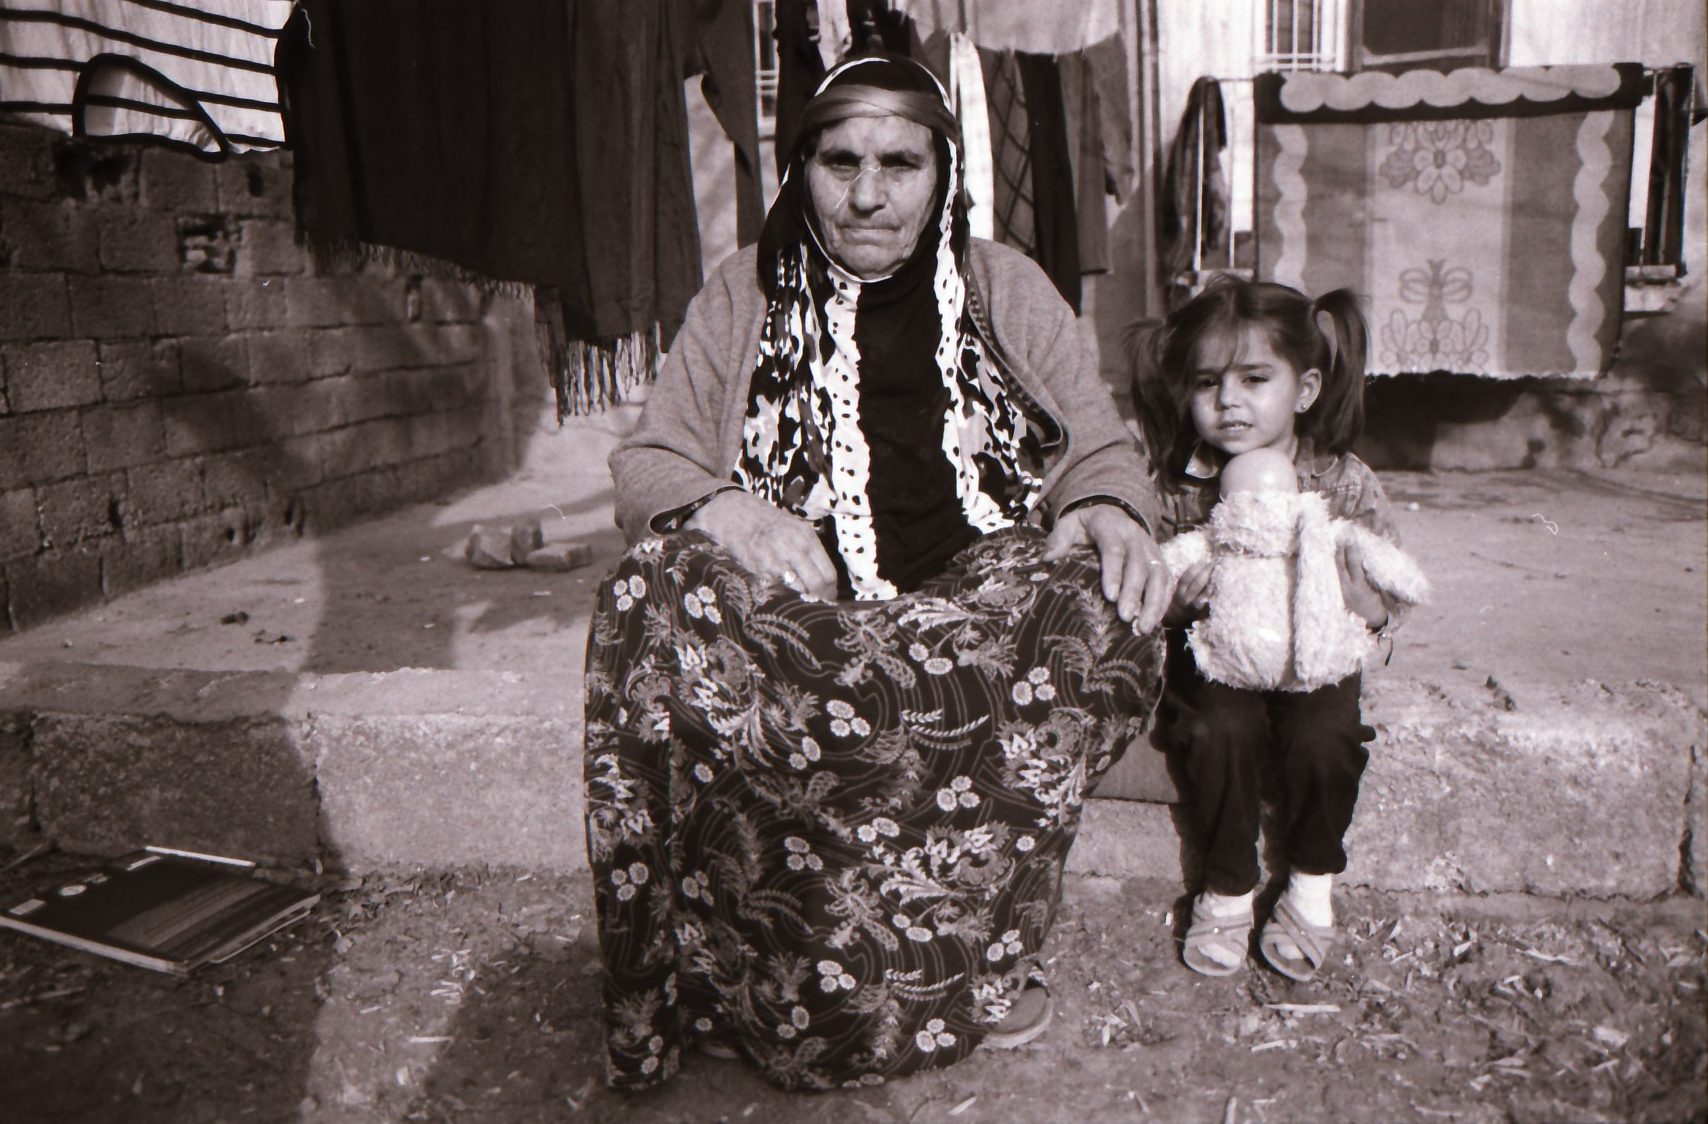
(689, 435)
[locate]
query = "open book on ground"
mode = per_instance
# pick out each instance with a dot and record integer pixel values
(158, 908)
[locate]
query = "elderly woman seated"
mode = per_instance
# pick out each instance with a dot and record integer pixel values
(844, 696)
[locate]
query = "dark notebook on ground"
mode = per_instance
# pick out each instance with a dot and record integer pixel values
(172, 911)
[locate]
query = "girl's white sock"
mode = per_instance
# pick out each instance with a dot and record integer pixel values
(1225, 905)
(1312, 896)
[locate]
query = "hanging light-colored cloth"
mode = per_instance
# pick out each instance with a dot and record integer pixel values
(966, 88)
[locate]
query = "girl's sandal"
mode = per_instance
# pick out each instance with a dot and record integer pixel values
(1232, 932)
(1312, 941)
(1033, 1011)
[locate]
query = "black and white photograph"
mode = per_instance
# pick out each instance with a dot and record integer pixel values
(494, 629)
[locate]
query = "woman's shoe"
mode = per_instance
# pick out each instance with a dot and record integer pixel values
(1029, 1018)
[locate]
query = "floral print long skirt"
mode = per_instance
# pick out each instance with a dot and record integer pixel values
(831, 835)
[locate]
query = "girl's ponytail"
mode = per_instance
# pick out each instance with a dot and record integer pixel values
(1338, 417)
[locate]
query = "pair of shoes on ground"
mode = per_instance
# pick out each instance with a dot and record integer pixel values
(1232, 932)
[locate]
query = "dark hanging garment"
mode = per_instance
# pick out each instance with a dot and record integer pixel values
(533, 141)
(1193, 204)
(721, 48)
(799, 70)
(1085, 143)
(1053, 212)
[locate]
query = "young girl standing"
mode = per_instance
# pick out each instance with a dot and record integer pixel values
(1249, 366)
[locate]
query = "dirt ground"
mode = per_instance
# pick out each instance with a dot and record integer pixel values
(474, 997)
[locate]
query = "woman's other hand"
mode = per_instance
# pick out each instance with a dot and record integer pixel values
(768, 542)
(1355, 588)
(1191, 596)
(1135, 577)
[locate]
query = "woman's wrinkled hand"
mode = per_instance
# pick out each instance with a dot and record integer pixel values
(1135, 578)
(768, 542)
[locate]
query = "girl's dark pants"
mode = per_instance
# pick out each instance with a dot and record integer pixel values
(1221, 736)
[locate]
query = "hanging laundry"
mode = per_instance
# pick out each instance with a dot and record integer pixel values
(1034, 209)
(721, 49)
(1192, 207)
(835, 35)
(966, 93)
(1018, 25)
(200, 77)
(531, 141)
(1011, 152)
(800, 68)
(1085, 146)
(1107, 61)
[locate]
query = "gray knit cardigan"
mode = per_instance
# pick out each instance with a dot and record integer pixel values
(689, 434)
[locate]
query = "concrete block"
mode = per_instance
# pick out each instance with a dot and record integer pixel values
(52, 582)
(206, 244)
(26, 159)
(489, 548)
(161, 493)
(340, 300)
(250, 475)
(38, 306)
(140, 557)
(134, 241)
(189, 306)
(277, 357)
(268, 248)
(49, 235)
(255, 184)
(445, 790)
(214, 538)
(38, 448)
(446, 301)
(213, 363)
(52, 376)
(139, 369)
(240, 786)
(253, 303)
(20, 531)
(124, 435)
(111, 307)
(205, 423)
(394, 347)
(1577, 792)
(176, 181)
(1129, 839)
(331, 351)
(77, 510)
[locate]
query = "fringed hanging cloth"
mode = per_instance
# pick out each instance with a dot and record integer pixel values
(534, 141)
(1481, 212)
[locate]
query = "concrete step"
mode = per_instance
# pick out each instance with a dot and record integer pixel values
(1581, 791)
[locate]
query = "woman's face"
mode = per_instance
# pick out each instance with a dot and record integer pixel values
(872, 181)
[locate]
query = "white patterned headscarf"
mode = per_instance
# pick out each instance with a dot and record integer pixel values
(802, 447)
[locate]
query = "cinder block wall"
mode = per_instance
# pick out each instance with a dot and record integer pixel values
(180, 384)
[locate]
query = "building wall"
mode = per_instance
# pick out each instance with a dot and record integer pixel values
(179, 382)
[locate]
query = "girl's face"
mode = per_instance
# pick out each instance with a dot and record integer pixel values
(1246, 397)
